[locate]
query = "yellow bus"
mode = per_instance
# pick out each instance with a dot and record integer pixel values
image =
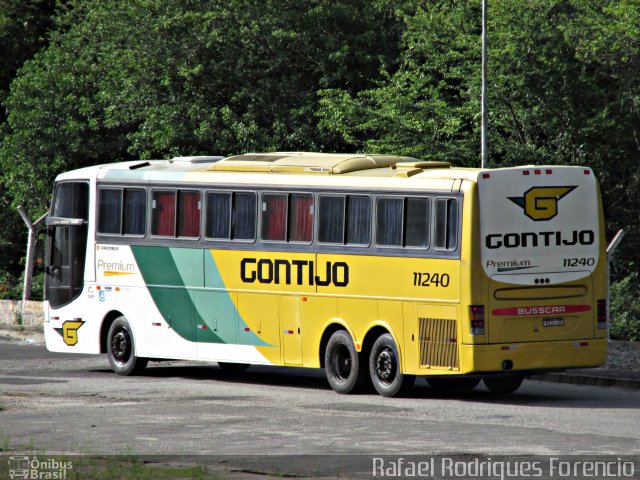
(377, 268)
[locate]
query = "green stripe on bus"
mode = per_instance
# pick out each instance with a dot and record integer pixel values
(187, 289)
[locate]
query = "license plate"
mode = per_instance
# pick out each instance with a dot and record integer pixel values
(552, 322)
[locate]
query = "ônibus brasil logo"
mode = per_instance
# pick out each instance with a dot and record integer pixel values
(541, 203)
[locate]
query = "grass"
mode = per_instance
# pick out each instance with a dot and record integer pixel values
(133, 468)
(4, 440)
(88, 467)
(103, 467)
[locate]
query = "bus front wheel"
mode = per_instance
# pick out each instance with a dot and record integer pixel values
(384, 368)
(342, 364)
(503, 384)
(121, 349)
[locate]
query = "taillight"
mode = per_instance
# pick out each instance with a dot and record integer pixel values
(476, 314)
(602, 314)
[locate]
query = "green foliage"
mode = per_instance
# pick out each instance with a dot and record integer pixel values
(10, 288)
(428, 108)
(157, 78)
(13, 238)
(23, 28)
(625, 309)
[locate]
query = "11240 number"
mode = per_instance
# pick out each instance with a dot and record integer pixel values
(426, 279)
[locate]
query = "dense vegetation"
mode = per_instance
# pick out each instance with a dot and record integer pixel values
(87, 81)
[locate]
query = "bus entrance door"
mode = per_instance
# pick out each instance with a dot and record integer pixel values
(67, 229)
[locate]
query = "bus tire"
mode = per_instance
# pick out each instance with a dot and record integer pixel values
(453, 384)
(233, 367)
(385, 369)
(503, 384)
(342, 364)
(121, 349)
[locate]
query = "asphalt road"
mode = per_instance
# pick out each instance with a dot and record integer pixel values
(75, 404)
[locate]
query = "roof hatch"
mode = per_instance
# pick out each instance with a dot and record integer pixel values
(409, 169)
(306, 162)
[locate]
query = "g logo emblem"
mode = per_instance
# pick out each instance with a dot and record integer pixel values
(69, 331)
(541, 203)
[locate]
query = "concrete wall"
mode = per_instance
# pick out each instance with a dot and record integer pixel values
(10, 313)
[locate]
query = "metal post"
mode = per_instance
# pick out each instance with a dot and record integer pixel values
(31, 245)
(484, 111)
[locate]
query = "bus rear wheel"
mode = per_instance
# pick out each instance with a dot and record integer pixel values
(342, 364)
(121, 349)
(385, 370)
(503, 384)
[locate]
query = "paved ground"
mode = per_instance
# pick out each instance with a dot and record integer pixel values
(75, 404)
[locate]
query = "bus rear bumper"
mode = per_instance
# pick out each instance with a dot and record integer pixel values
(535, 356)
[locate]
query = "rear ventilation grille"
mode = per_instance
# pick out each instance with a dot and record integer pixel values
(438, 343)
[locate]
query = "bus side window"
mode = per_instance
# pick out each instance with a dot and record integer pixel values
(287, 217)
(300, 217)
(163, 218)
(331, 219)
(188, 214)
(175, 213)
(344, 219)
(403, 222)
(134, 215)
(446, 216)
(389, 222)
(274, 217)
(358, 220)
(417, 222)
(231, 216)
(114, 218)
(218, 221)
(110, 210)
(243, 226)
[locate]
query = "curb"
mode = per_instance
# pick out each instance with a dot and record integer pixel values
(593, 380)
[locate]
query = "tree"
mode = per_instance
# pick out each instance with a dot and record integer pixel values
(24, 25)
(156, 78)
